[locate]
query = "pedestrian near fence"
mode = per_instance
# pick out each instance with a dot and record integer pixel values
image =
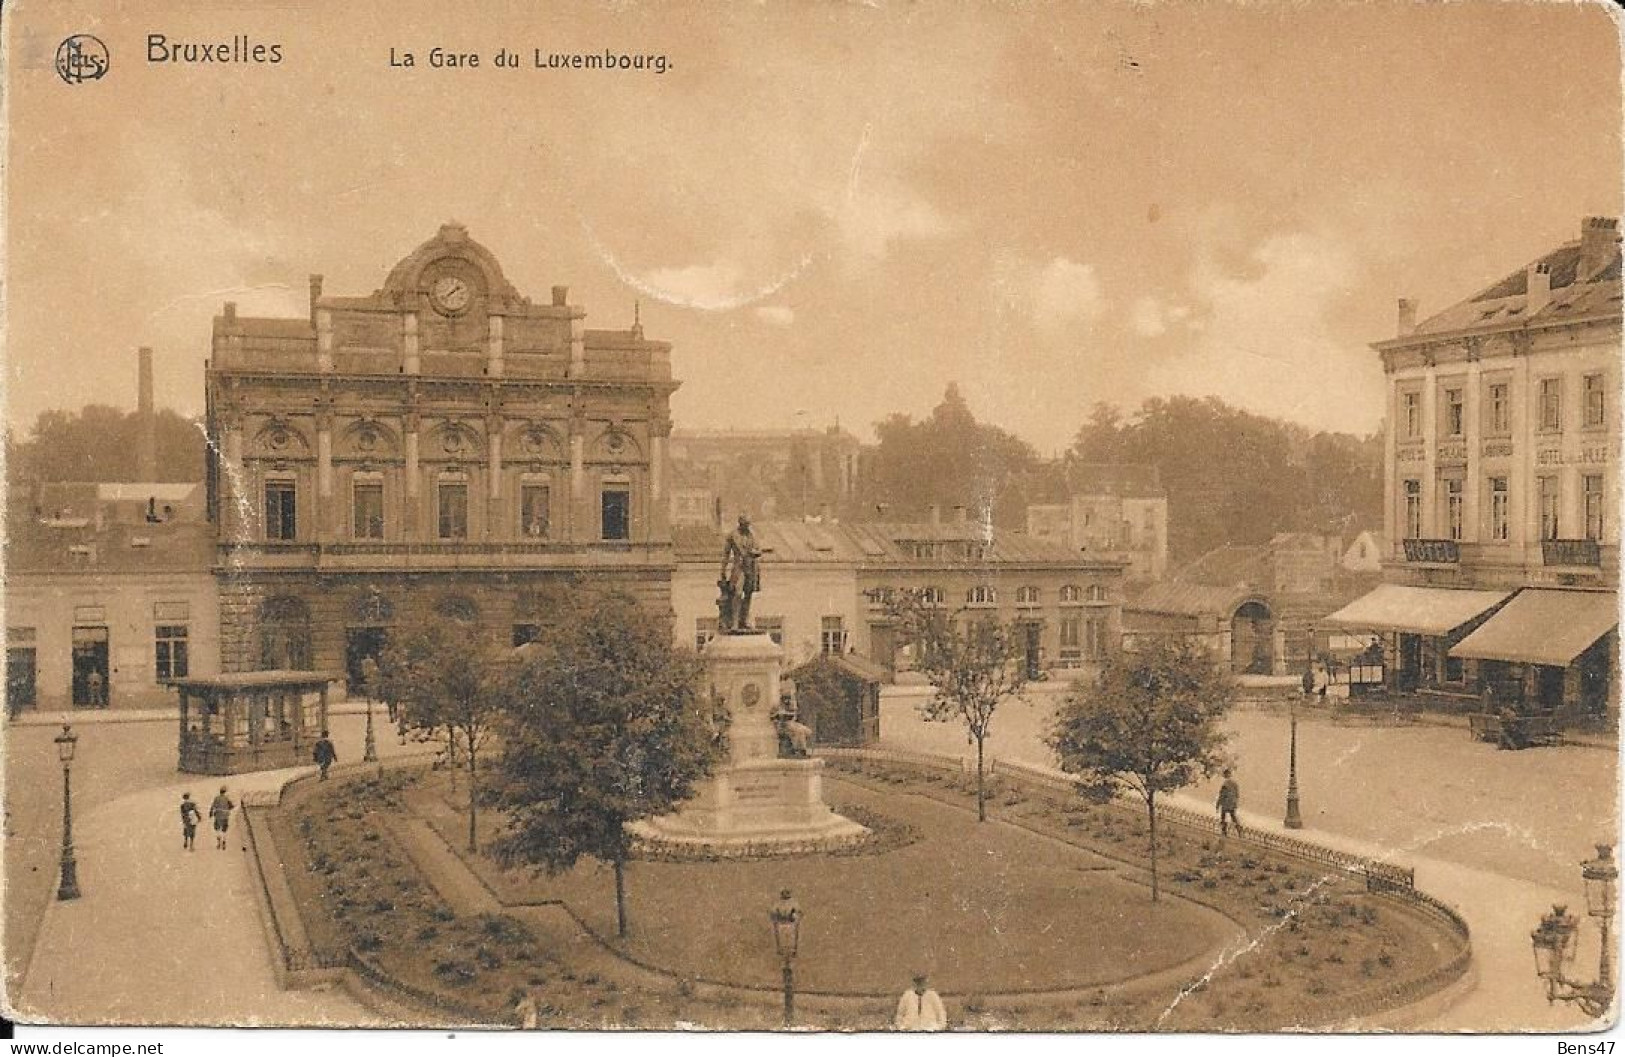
(1229, 800)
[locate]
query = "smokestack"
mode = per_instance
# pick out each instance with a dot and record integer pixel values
(1407, 316)
(146, 421)
(315, 295)
(1540, 288)
(1599, 237)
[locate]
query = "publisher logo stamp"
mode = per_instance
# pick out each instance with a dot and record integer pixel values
(80, 58)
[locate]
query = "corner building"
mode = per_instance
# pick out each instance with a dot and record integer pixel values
(441, 448)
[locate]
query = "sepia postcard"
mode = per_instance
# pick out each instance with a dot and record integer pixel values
(1065, 518)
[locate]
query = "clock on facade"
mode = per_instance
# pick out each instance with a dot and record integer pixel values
(450, 294)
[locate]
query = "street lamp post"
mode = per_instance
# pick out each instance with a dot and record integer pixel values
(1554, 940)
(369, 751)
(69, 887)
(786, 918)
(1294, 818)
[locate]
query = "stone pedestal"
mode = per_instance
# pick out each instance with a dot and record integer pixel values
(756, 802)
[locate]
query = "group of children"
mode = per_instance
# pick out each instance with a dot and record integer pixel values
(219, 810)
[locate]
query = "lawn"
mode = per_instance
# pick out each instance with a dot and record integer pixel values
(983, 908)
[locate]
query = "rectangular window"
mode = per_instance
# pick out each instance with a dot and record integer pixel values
(1596, 400)
(1071, 638)
(1413, 510)
(1591, 484)
(1500, 509)
(534, 503)
(171, 651)
(1411, 414)
(1453, 492)
(1094, 637)
(1454, 412)
(1550, 499)
(280, 511)
(616, 512)
(705, 629)
(367, 510)
(1551, 405)
(452, 508)
(1499, 409)
(772, 627)
(832, 635)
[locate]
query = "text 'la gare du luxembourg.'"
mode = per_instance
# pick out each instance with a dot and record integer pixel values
(242, 49)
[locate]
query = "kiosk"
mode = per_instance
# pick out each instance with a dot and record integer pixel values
(251, 721)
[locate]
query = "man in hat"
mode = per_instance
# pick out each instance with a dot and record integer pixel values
(920, 1008)
(220, 812)
(1229, 800)
(190, 815)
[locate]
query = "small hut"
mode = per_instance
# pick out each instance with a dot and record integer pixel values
(251, 721)
(838, 695)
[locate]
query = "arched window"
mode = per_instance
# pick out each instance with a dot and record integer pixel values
(932, 596)
(1095, 593)
(1027, 596)
(458, 608)
(1070, 594)
(285, 634)
(982, 595)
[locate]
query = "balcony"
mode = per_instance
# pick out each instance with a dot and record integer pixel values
(1571, 553)
(1433, 552)
(438, 556)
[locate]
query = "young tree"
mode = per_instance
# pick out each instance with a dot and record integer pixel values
(973, 661)
(609, 726)
(1150, 725)
(443, 684)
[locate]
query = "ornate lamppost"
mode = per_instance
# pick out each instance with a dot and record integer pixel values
(1554, 940)
(1294, 818)
(369, 752)
(65, 744)
(786, 918)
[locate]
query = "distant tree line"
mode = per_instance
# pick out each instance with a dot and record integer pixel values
(102, 443)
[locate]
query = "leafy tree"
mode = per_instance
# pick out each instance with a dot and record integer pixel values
(1150, 725)
(444, 685)
(972, 660)
(100, 443)
(609, 726)
(949, 459)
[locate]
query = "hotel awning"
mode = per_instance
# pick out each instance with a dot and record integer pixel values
(1421, 610)
(1543, 627)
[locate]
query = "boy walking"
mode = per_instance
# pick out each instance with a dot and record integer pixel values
(190, 817)
(1229, 800)
(220, 811)
(324, 754)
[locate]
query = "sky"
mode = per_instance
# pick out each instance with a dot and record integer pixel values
(831, 210)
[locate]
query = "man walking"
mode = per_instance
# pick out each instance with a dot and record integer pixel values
(920, 1009)
(220, 812)
(190, 817)
(324, 754)
(1229, 800)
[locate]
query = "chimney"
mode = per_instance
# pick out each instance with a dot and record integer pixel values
(1407, 316)
(1540, 288)
(315, 295)
(146, 421)
(561, 296)
(1599, 239)
(231, 312)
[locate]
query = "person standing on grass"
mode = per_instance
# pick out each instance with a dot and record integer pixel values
(220, 812)
(920, 1009)
(1229, 800)
(190, 816)
(324, 754)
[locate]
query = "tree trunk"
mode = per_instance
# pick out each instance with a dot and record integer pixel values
(981, 785)
(451, 756)
(1151, 811)
(473, 801)
(620, 894)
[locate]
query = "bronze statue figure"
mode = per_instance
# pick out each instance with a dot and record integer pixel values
(741, 578)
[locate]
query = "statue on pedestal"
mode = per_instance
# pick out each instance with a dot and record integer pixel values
(741, 578)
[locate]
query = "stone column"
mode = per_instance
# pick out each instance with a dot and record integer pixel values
(413, 422)
(236, 500)
(1472, 436)
(495, 523)
(493, 354)
(326, 509)
(578, 347)
(410, 363)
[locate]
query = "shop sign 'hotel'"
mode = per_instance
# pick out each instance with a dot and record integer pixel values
(1502, 465)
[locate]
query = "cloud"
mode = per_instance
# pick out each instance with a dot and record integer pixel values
(869, 221)
(1150, 316)
(1268, 340)
(1066, 294)
(778, 315)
